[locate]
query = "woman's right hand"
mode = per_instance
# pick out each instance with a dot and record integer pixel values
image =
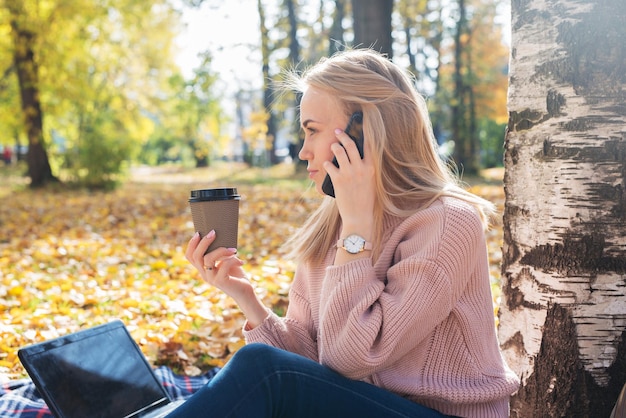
(221, 268)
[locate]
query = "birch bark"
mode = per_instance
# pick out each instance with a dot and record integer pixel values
(563, 313)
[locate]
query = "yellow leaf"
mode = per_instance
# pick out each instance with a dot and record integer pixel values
(16, 291)
(158, 265)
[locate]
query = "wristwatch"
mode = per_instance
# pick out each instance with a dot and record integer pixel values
(354, 244)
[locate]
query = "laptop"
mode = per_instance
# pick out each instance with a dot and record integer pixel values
(96, 372)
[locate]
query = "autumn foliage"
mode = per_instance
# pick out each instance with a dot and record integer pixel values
(72, 259)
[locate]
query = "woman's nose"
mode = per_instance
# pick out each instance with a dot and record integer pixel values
(304, 153)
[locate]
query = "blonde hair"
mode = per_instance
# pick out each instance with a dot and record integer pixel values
(398, 134)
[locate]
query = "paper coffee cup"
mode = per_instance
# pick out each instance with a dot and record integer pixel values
(216, 209)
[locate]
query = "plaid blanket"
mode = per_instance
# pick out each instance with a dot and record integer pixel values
(20, 398)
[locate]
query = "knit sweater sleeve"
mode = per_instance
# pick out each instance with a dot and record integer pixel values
(368, 323)
(296, 331)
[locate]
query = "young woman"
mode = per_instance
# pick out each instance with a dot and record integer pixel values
(390, 311)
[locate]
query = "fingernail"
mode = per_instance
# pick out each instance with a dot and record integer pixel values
(233, 250)
(196, 235)
(210, 234)
(338, 131)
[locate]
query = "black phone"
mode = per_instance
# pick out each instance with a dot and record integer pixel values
(354, 131)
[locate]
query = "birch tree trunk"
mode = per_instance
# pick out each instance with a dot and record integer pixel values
(563, 313)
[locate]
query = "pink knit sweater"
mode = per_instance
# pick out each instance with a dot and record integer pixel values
(418, 323)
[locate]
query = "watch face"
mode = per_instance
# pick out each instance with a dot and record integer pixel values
(354, 244)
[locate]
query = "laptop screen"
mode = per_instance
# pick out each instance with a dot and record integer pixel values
(97, 372)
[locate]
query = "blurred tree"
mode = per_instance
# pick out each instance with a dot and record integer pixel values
(100, 71)
(24, 32)
(268, 89)
(120, 69)
(372, 25)
(191, 120)
(294, 43)
(421, 23)
(463, 132)
(422, 35)
(336, 39)
(10, 120)
(279, 38)
(487, 74)
(255, 137)
(466, 76)
(563, 310)
(294, 62)
(11, 137)
(204, 135)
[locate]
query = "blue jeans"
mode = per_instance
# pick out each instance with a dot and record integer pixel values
(263, 381)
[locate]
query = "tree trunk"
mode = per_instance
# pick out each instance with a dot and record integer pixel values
(465, 154)
(268, 93)
(336, 41)
(27, 70)
(372, 25)
(294, 45)
(563, 311)
(294, 58)
(472, 139)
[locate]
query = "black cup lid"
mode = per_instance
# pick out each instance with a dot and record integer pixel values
(226, 193)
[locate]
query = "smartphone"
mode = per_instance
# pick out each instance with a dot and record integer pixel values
(354, 131)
